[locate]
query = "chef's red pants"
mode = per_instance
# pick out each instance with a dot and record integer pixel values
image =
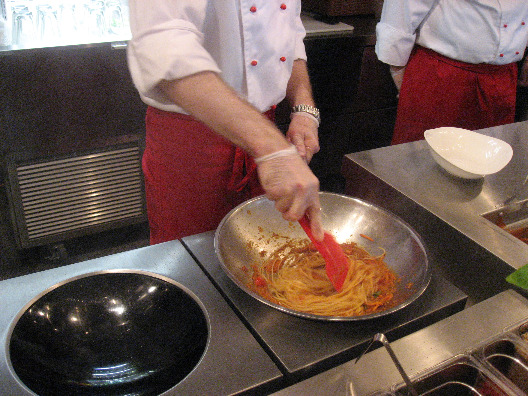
(193, 176)
(438, 91)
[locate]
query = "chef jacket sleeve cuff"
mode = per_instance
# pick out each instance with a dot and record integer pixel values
(393, 46)
(167, 53)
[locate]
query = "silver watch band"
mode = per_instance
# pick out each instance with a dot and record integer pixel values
(307, 109)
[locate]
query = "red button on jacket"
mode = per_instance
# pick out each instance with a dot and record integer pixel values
(283, 6)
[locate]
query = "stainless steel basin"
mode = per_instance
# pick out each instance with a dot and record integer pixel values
(462, 376)
(512, 218)
(499, 366)
(510, 358)
(111, 333)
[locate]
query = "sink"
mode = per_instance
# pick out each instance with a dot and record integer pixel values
(109, 333)
(510, 358)
(461, 377)
(512, 218)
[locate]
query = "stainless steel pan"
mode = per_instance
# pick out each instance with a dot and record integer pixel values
(254, 229)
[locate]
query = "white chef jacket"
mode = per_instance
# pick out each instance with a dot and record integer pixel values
(471, 31)
(251, 43)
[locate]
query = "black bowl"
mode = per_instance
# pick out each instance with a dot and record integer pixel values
(109, 334)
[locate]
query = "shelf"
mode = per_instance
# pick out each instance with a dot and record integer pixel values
(64, 24)
(114, 43)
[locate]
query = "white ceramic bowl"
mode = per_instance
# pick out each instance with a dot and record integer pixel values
(467, 154)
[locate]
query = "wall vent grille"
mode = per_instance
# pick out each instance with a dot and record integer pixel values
(67, 197)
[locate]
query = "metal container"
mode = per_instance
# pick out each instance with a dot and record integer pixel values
(509, 357)
(463, 375)
(512, 218)
(248, 234)
(449, 355)
(498, 366)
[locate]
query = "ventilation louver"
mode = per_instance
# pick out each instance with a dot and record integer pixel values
(67, 197)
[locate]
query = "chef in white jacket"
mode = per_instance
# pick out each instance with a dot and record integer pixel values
(211, 73)
(455, 61)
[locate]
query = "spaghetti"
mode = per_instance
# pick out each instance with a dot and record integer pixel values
(294, 277)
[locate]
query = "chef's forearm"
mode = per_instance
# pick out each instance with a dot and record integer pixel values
(207, 98)
(299, 90)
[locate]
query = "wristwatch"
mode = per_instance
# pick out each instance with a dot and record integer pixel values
(307, 109)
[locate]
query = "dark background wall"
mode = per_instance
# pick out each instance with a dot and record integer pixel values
(61, 100)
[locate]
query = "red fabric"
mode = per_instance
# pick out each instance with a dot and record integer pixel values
(193, 176)
(438, 91)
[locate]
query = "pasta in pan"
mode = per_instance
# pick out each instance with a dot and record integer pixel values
(294, 277)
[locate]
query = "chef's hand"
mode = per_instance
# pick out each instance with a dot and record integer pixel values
(397, 73)
(303, 134)
(287, 180)
(523, 74)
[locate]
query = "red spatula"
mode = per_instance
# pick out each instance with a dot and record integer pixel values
(336, 261)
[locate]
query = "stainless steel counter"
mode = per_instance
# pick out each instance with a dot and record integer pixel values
(303, 347)
(260, 350)
(233, 361)
(447, 211)
(419, 351)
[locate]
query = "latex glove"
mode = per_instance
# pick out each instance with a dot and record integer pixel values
(397, 73)
(289, 182)
(303, 134)
(523, 74)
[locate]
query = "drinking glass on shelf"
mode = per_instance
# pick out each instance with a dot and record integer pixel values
(23, 32)
(95, 23)
(47, 25)
(67, 18)
(5, 31)
(114, 17)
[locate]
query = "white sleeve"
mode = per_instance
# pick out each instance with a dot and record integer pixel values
(167, 43)
(396, 32)
(300, 50)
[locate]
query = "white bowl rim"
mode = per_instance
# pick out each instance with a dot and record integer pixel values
(504, 151)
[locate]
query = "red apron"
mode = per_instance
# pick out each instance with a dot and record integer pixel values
(193, 176)
(438, 91)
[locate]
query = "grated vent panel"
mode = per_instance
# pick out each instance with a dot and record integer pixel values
(70, 194)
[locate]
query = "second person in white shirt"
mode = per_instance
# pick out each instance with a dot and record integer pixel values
(455, 62)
